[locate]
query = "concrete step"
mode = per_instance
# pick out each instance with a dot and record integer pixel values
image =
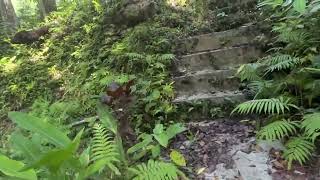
(206, 81)
(208, 105)
(221, 59)
(232, 19)
(219, 98)
(218, 4)
(217, 40)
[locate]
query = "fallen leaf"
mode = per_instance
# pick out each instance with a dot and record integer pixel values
(178, 158)
(278, 165)
(201, 170)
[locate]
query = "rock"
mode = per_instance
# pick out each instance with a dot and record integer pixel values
(253, 166)
(28, 37)
(187, 143)
(268, 145)
(222, 173)
(133, 12)
(298, 172)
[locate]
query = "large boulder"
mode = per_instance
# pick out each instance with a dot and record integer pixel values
(133, 12)
(28, 37)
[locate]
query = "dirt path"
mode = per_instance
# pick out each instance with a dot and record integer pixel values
(226, 149)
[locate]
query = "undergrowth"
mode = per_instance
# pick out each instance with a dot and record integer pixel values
(83, 55)
(286, 82)
(60, 79)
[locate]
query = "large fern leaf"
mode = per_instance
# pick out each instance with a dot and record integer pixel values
(248, 72)
(103, 145)
(277, 130)
(262, 88)
(311, 125)
(104, 151)
(280, 62)
(269, 106)
(155, 170)
(134, 56)
(166, 57)
(298, 149)
(295, 37)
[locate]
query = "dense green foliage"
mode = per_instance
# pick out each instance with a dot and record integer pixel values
(85, 52)
(59, 157)
(60, 79)
(286, 82)
(97, 53)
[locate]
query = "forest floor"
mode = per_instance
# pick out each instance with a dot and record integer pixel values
(227, 149)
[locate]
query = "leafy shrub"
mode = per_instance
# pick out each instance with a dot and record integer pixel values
(148, 142)
(285, 82)
(46, 149)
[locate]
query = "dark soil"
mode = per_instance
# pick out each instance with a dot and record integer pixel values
(298, 172)
(207, 144)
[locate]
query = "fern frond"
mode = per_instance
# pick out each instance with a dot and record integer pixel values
(311, 125)
(104, 151)
(155, 170)
(277, 130)
(268, 106)
(260, 88)
(166, 57)
(103, 144)
(248, 72)
(134, 56)
(280, 62)
(293, 36)
(298, 149)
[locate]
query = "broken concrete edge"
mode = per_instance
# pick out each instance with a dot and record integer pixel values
(241, 29)
(249, 166)
(227, 72)
(211, 97)
(244, 35)
(213, 51)
(209, 107)
(221, 59)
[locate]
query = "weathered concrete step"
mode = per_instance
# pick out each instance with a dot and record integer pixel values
(220, 59)
(206, 81)
(218, 4)
(218, 98)
(217, 40)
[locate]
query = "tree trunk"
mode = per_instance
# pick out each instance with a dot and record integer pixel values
(8, 15)
(46, 7)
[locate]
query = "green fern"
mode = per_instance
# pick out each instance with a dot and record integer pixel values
(166, 57)
(280, 62)
(104, 150)
(262, 88)
(298, 149)
(134, 56)
(277, 130)
(156, 170)
(311, 125)
(248, 72)
(268, 106)
(293, 37)
(102, 144)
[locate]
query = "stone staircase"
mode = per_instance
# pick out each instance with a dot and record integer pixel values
(206, 70)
